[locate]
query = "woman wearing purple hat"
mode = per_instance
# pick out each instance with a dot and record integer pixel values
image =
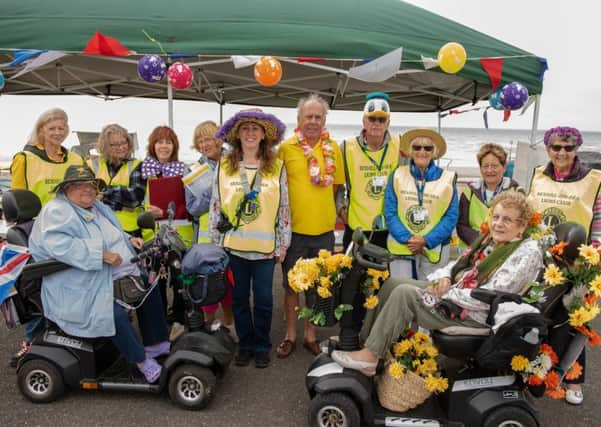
(250, 218)
(567, 190)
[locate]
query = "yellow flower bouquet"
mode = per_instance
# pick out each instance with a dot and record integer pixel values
(323, 275)
(412, 373)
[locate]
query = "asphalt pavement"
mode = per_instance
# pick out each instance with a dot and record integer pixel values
(246, 396)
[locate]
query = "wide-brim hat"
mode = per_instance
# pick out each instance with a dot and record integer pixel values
(79, 173)
(437, 139)
(274, 128)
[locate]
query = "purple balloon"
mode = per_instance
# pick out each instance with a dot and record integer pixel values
(513, 95)
(151, 68)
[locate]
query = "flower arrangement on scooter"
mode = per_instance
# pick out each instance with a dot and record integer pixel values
(412, 373)
(373, 280)
(324, 274)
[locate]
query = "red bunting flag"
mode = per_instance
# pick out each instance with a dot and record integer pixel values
(100, 44)
(302, 59)
(506, 115)
(494, 69)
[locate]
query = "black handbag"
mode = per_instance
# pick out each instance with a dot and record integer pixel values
(130, 289)
(206, 289)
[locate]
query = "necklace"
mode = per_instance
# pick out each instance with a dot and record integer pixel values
(317, 178)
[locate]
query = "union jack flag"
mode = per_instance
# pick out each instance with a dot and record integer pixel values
(12, 260)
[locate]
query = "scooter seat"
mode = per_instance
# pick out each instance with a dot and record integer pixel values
(457, 346)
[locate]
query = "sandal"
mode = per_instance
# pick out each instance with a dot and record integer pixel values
(150, 369)
(160, 349)
(312, 346)
(285, 348)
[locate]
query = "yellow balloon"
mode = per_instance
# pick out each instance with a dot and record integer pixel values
(451, 57)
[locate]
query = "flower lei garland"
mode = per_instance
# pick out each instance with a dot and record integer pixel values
(317, 178)
(415, 353)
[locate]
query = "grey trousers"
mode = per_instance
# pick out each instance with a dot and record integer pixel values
(400, 307)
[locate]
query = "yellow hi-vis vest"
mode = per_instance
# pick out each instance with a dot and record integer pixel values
(42, 176)
(366, 183)
(438, 196)
(128, 218)
(203, 228)
(257, 226)
(183, 227)
(477, 211)
(560, 201)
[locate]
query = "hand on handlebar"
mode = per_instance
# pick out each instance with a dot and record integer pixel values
(112, 258)
(155, 211)
(136, 242)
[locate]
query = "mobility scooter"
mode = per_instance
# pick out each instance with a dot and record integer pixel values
(56, 360)
(479, 392)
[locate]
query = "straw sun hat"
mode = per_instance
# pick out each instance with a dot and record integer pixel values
(274, 128)
(437, 139)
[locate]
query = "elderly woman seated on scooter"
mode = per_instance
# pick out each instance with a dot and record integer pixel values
(77, 229)
(501, 259)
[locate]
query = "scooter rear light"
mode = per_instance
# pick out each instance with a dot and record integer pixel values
(89, 385)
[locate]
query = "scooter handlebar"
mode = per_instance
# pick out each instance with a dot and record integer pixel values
(148, 252)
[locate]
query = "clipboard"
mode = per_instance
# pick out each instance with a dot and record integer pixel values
(163, 190)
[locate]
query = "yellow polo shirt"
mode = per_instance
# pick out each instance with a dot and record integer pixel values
(312, 206)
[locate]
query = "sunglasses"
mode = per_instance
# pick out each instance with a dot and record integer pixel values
(427, 148)
(377, 119)
(557, 148)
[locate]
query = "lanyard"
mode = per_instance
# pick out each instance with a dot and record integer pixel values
(373, 162)
(249, 195)
(493, 194)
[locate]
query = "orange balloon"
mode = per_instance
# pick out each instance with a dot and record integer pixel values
(268, 71)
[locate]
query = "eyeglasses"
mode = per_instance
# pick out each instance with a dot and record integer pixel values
(427, 148)
(492, 166)
(557, 148)
(377, 119)
(505, 220)
(118, 144)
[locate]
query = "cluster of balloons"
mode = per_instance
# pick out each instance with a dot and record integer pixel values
(152, 69)
(512, 96)
(268, 71)
(451, 57)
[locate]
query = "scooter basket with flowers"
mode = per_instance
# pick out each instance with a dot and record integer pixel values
(411, 374)
(321, 278)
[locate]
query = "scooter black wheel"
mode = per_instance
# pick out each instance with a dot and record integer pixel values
(40, 381)
(333, 410)
(192, 387)
(510, 416)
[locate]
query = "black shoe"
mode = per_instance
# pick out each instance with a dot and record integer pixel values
(262, 359)
(243, 357)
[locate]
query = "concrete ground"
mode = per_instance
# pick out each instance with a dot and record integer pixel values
(245, 397)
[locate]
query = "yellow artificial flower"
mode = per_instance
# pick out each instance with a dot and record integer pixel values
(323, 292)
(299, 282)
(332, 263)
(519, 363)
(595, 285)
(400, 348)
(436, 384)
(579, 317)
(375, 284)
(385, 275)
(421, 338)
(371, 302)
(589, 253)
(323, 253)
(325, 281)
(593, 311)
(347, 261)
(396, 370)
(553, 276)
(431, 351)
(428, 366)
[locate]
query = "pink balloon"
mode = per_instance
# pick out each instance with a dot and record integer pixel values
(180, 75)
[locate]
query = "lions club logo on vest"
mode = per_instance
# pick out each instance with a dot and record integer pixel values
(250, 211)
(553, 217)
(417, 218)
(375, 187)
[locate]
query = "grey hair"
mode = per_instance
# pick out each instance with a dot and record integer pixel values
(103, 144)
(313, 97)
(46, 117)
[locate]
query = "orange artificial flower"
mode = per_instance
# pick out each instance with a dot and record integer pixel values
(552, 380)
(484, 227)
(591, 299)
(557, 393)
(535, 380)
(558, 248)
(593, 338)
(535, 219)
(547, 349)
(574, 372)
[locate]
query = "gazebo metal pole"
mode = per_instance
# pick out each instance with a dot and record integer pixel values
(535, 121)
(170, 103)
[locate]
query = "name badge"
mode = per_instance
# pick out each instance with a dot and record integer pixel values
(379, 181)
(420, 215)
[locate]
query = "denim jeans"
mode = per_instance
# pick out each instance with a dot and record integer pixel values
(253, 328)
(33, 328)
(151, 319)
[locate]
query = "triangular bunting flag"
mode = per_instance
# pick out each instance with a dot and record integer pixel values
(22, 55)
(429, 62)
(302, 59)
(241, 61)
(544, 66)
(506, 115)
(43, 59)
(380, 69)
(100, 44)
(494, 69)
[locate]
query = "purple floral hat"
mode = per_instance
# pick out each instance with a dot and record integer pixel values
(274, 128)
(563, 132)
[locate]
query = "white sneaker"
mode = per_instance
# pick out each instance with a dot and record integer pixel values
(574, 397)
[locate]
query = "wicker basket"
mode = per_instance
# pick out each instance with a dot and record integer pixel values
(325, 305)
(401, 394)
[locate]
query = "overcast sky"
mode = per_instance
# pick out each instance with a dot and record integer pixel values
(565, 32)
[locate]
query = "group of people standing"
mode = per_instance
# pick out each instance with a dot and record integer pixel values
(271, 201)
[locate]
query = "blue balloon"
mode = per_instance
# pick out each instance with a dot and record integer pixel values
(2, 81)
(152, 68)
(514, 95)
(495, 100)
